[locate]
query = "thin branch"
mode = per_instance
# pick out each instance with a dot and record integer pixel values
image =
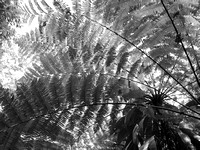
(167, 81)
(181, 41)
(181, 113)
(194, 111)
(195, 55)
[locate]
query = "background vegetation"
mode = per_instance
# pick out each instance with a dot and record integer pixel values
(101, 75)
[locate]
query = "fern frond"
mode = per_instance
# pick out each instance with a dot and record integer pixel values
(12, 137)
(97, 48)
(56, 92)
(3, 124)
(135, 68)
(86, 8)
(46, 5)
(39, 96)
(72, 53)
(100, 117)
(112, 90)
(25, 106)
(54, 63)
(32, 8)
(43, 144)
(39, 69)
(87, 53)
(33, 72)
(113, 117)
(85, 31)
(161, 51)
(142, 31)
(65, 61)
(149, 10)
(167, 62)
(95, 33)
(111, 12)
(9, 108)
(3, 137)
(27, 9)
(74, 118)
(99, 89)
(122, 62)
(188, 3)
(39, 7)
(86, 119)
(51, 26)
(61, 33)
(63, 118)
(98, 4)
(53, 125)
(154, 39)
(65, 137)
(111, 56)
(41, 128)
(37, 48)
(31, 126)
(47, 65)
(72, 89)
(77, 7)
(69, 91)
(32, 35)
(87, 88)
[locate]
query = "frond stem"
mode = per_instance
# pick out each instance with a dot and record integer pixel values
(181, 41)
